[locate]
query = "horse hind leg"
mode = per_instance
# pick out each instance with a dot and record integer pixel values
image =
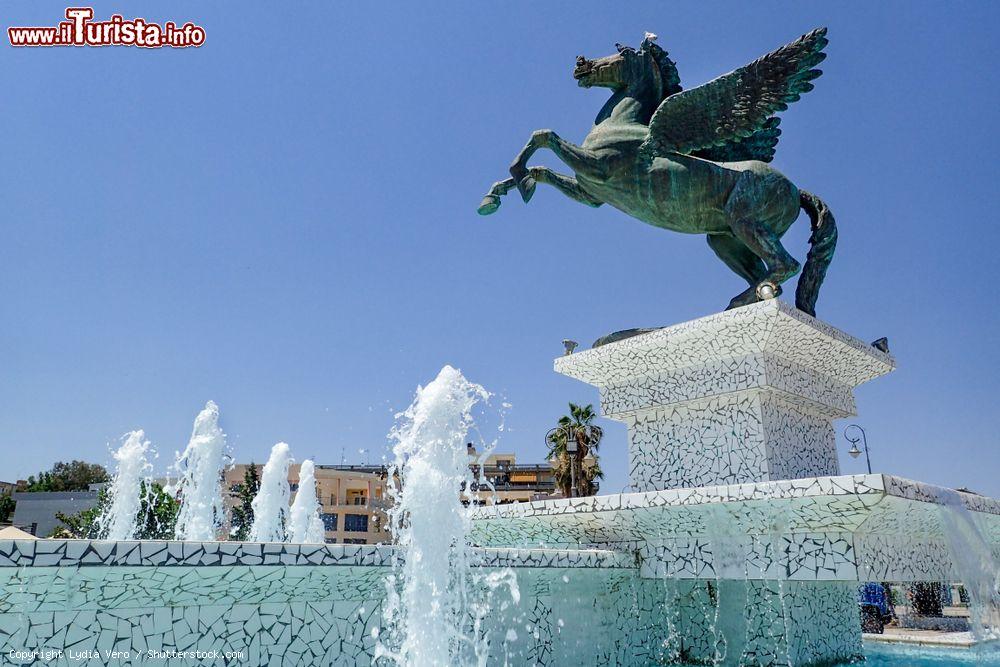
(738, 257)
(763, 242)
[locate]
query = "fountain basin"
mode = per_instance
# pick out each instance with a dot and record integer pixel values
(284, 604)
(766, 572)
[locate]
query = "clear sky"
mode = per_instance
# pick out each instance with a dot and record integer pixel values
(284, 221)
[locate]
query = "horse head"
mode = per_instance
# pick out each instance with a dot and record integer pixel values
(637, 70)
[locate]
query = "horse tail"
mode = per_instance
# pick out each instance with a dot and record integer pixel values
(822, 243)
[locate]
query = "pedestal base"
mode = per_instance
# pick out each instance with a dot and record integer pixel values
(747, 395)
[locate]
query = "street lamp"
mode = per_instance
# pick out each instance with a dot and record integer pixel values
(571, 449)
(863, 439)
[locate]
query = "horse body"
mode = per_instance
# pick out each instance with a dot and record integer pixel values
(681, 193)
(690, 195)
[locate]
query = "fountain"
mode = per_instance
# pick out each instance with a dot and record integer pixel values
(430, 591)
(270, 506)
(199, 468)
(119, 518)
(732, 452)
(304, 524)
(742, 544)
(975, 563)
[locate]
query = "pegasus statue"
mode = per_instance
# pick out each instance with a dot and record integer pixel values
(695, 161)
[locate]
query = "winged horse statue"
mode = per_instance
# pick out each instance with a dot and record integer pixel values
(695, 161)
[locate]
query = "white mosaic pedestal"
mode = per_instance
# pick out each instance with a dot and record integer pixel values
(747, 395)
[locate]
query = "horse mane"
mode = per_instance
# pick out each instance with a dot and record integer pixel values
(668, 68)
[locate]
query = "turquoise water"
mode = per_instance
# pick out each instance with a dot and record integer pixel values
(886, 655)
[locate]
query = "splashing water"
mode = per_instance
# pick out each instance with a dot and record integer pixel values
(118, 520)
(973, 559)
(435, 606)
(304, 524)
(199, 468)
(270, 505)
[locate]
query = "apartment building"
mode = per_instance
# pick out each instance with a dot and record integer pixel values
(352, 500)
(504, 480)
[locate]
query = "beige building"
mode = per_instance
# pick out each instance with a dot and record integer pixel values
(511, 482)
(352, 500)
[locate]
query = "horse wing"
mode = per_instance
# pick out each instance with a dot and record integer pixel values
(734, 106)
(758, 146)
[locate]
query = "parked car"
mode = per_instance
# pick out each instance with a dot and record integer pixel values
(876, 607)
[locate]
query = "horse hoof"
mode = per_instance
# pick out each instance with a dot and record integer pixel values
(767, 290)
(489, 204)
(526, 186)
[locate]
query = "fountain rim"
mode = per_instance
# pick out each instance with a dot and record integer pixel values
(876, 486)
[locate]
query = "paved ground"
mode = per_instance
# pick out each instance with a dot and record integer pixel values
(895, 635)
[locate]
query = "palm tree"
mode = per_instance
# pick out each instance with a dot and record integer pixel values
(577, 425)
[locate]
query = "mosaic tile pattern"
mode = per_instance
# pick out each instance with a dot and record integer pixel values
(307, 614)
(761, 622)
(743, 396)
(90, 553)
(843, 528)
(772, 326)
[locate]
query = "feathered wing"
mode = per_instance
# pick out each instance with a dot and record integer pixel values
(731, 109)
(758, 146)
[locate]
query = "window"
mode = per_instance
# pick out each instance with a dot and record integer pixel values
(331, 540)
(360, 500)
(329, 521)
(350, 540)
(356, 523)
(293, 486)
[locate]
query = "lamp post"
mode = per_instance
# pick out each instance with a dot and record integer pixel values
(571, 449)
(863, 439)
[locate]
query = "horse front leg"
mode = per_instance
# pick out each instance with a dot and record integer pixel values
(580, 160)
(565, 184)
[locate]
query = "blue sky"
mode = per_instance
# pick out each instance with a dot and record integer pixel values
(284, 221)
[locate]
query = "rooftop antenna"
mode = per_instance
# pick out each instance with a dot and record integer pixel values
(342, 458)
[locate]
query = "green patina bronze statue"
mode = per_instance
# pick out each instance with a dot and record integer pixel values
(695, 161)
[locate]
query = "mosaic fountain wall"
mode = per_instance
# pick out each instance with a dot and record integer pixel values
(273, 604)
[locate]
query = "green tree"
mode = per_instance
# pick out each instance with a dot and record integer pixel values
(158, 512)
(7, 505)
(242, 516)
(83, 524)
(155, 519)
(577, 426)
(72, 476)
